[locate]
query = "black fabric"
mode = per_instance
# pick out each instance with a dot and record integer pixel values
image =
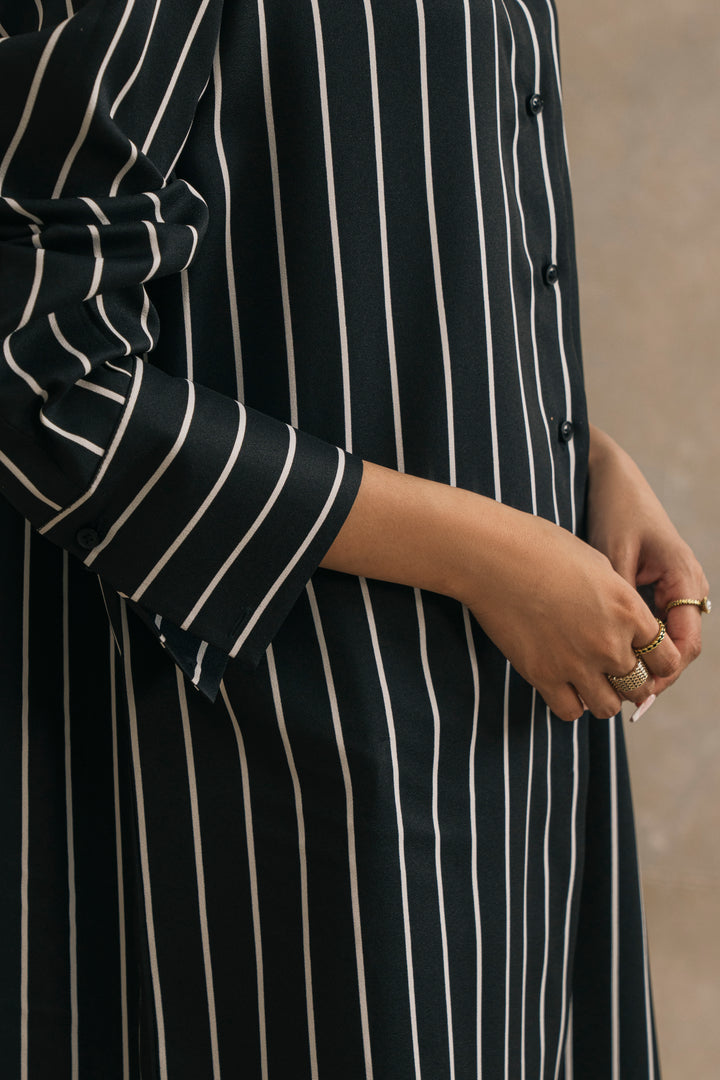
(244, 246)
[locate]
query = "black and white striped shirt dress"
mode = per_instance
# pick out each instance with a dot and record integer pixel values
(260, 820)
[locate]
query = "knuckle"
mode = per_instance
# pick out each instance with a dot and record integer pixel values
(694, 648)
(610, 709)
(614, 653)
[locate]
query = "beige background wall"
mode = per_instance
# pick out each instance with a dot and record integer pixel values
(642, 96)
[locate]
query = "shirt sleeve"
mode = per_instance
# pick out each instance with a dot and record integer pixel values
(207, 515)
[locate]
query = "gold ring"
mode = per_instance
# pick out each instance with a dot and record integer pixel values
(655, 641)
(625, 684)
(704, 605)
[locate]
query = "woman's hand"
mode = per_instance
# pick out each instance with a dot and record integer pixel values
(550, 602)
(627, 523)
(563, 616)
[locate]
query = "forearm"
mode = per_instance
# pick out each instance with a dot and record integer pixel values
(552, 605)
(417, 532)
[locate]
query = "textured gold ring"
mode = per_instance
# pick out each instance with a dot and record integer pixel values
(655, 641)
(625, 684)
(705, 605)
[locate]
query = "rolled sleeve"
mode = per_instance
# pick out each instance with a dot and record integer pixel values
(209, 517)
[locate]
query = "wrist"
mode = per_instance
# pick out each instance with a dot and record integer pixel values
(418, 532)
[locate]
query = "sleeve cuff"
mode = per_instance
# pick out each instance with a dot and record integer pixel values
(209, 513)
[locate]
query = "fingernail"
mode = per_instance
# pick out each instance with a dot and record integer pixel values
(642, 709)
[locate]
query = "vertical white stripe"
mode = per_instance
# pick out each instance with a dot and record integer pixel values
(334, 232)
(489, 349)
(193, 247)
(569, 1050)
(25, 810)
(200, 512)
(614, 906)
(436, 821)
(30, 102)
(553, 259)
(92, 103)
(149, 484)
(350, 825)
(127, 347)
(171, 167)
(508, 892)
(302, 854)
(153, 197)
(528, 806)
(569, 902)
(69, 830)
(37, 279)
(170, 90)
(199, 874)
(432, 221)
(509, 243)
(556, 63)
(144, 319)
(389, 325)
(154, 250)
(143, 845)
(474, 840)
(99, 262)
(252, 871)
(138, 67)
(568, 405)
(518, 357)
(114, 187)
(531, 280)
(242, 543)
(197, 674)
(399, 819)
(646, 987)
(229, 259)
(546, 896)
(187, 326)
(62, 340)
(282, 262)
(122, 937)
(279, 581)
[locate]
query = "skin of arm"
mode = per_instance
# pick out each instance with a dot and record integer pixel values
(563, 611)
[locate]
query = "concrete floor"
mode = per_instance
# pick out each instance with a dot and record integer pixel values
(642, 96)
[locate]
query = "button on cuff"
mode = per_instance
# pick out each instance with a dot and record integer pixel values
(87, 538)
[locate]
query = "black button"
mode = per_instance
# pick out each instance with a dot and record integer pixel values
(535, 104)
(550, 274)
(566, 430)
(87, 538)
